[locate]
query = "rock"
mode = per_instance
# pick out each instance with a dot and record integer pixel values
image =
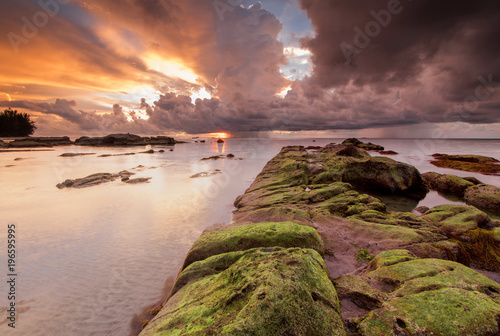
(422, 209)
(455, 220)
(171, 150)
(230, 156)
(244, 237)
(202, 141)
(109, 155)
(220, 141)
(215, 157)
(401, 295)
(388, 152)
(347, 150)
(314, 147)
(137, 180)
(386, 176)
(261, 291)
(161, 151)
(484, 197)
(26, 143)
(40, 142)
(75, 154)
(89, 181)
(151, 151)
(447, 184)
(473, 180)
(471, 163)
(205, 174)
(124, 140)
(360, 144)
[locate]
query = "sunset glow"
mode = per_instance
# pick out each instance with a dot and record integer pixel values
(175, 67)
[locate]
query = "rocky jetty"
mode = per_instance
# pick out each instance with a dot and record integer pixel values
(124, 140)
(471, 163)
(312, 252)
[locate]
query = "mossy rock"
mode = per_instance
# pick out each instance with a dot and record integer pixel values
(447, 184)
(244, 237)
(278, 213)
(385, 175)
(406, 219)
(471, 163)
(409, 296)
(263, 292)
(391, 257)
(455, 220)
(484, 197)
(351, 202)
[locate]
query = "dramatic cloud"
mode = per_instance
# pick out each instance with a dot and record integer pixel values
(199, 66)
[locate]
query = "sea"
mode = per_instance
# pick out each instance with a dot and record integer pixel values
(88, 260)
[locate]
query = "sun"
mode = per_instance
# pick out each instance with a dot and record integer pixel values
(221, 135)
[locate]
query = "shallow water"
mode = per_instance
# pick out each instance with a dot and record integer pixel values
(89, 259)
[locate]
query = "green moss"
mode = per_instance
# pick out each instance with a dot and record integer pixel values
(264, 292)
(456, 220)
(364, 254)
(239, 238)
(274, 213)
(482, 248)
(391, 257)
(485, 197)
(351, 202)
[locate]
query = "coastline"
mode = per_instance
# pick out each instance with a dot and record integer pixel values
(294, 189)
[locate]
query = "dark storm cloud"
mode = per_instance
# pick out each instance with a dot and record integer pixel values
(423, 56)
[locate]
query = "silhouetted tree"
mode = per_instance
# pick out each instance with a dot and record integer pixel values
(14, 124)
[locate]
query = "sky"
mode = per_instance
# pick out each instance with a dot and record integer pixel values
(378, 68)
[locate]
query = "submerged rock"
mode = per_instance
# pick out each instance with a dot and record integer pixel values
(471, 163)
(75, 154)
(88, 181)
(137, 180)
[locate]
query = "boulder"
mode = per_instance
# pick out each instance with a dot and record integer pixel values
(243, 237)
(447, 184)
(484, 197)
(385, 175)
(455, 220)
(399, 294)
(262, 291)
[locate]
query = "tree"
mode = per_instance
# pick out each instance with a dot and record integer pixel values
(14, 124)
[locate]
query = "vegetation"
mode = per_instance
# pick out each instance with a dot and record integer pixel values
(14, 124)
(364, 254)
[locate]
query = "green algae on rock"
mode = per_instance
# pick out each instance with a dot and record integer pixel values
(471, 163)
(455, 220)
(239, 238)
(447, 184)
(485, 197)
(264, 291)
(399, 294)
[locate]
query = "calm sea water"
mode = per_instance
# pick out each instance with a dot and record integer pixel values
(89, 259)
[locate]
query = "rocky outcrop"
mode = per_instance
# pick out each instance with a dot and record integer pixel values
(472, 163)
(265, 275)
(40, 142)
(75, 154)
(360, 144)
(124, 140)
(399, 294)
